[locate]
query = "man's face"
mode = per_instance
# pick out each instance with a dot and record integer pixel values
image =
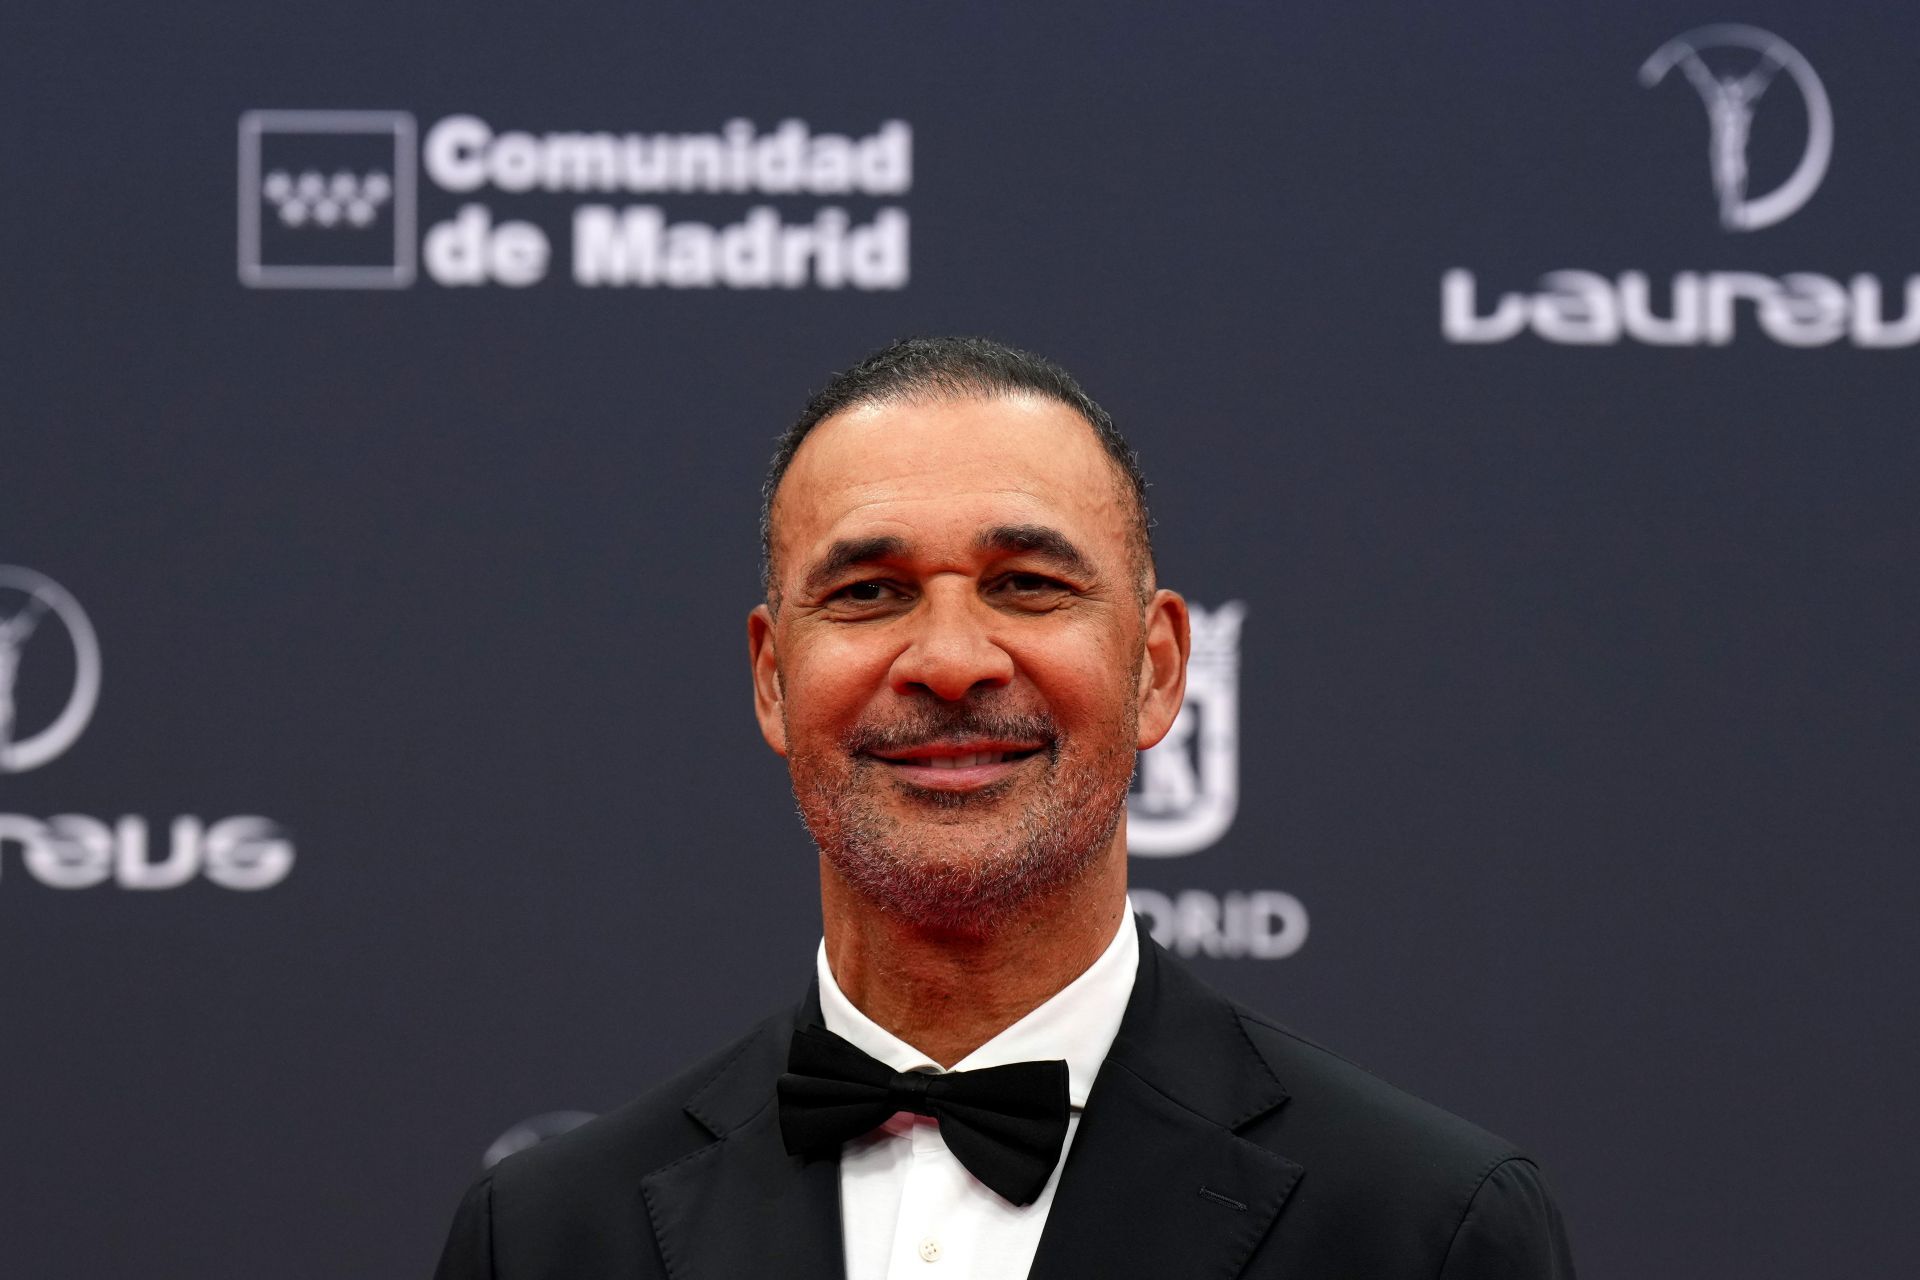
(961, 669)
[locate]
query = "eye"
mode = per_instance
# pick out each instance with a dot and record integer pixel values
(864, 594)
(1030, 587)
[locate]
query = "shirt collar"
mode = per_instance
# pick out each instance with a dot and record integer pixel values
(1077, 1023)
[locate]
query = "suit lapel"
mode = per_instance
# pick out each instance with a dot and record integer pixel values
(742, 1206)
(1158, 1182)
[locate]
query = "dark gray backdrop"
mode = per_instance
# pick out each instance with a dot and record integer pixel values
(1576, 689)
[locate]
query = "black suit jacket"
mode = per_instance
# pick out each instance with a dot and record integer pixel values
(1215, 1144)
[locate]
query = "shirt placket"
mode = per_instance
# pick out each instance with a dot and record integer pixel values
(931, 1242)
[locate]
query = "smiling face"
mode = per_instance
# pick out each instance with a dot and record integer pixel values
(958, 662)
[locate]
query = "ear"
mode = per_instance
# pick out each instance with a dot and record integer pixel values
(1163, 666)
(767, 695)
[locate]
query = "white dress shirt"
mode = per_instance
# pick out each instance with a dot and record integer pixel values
(908, 1209)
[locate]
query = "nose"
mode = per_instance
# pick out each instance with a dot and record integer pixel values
(951, 653)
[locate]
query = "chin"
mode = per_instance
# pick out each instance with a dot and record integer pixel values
(969, 881)
(950, 806)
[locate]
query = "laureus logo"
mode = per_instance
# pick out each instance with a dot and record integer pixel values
(73, 850)
(1734, 69)
(1731, 87)
(34, 608)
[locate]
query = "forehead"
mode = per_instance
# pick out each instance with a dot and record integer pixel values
(948, 467)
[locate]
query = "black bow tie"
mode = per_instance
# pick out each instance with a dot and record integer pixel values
(1005, 1124)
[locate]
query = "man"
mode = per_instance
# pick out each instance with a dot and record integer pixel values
(961, 651)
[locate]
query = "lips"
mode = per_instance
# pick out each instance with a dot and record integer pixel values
(958, 755)
(956, 766)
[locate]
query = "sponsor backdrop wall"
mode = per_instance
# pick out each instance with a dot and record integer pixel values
(1528, 392)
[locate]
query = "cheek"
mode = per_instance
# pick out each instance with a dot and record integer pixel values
(826, 686)
(1087, 687)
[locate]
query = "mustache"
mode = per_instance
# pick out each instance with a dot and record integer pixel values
(940, 721)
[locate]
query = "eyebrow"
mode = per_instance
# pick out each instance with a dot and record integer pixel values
(1038, 540)
(849, 552)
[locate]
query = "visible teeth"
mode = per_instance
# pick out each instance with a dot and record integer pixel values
(963, 762)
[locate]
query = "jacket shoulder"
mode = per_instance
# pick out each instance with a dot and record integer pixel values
(1335, 1104)
(1381, 1184)
(1395, 1184)
(1330, 1113)
(578, 1196)
(674, 1118)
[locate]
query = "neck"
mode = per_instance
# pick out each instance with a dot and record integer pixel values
(947, 992)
